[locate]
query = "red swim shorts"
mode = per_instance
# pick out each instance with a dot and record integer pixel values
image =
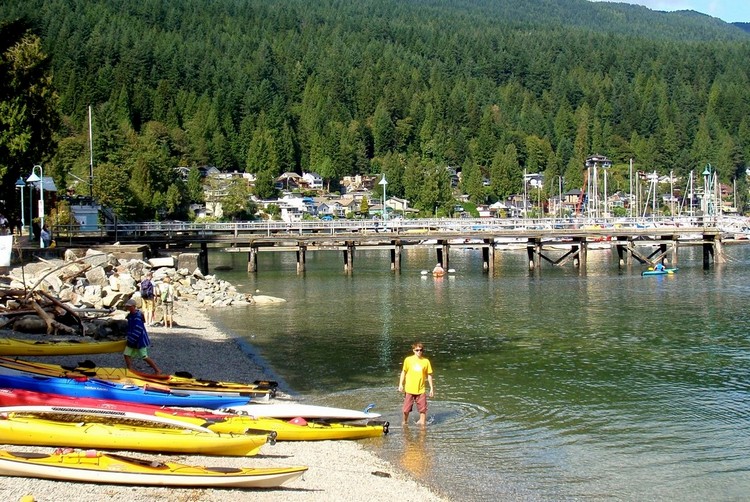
(419, 399)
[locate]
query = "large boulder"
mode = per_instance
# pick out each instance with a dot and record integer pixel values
(97, 276)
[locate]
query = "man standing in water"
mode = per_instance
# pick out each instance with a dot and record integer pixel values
(415, 371)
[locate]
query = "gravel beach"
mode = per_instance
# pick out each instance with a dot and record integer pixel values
(338, 470)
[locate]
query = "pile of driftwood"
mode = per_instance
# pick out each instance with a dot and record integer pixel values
(22, 310)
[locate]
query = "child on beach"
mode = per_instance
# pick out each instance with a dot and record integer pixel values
(137, 338)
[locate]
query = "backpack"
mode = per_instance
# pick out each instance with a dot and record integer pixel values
(147, 289)
(167, 293)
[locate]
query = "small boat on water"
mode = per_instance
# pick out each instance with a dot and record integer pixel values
(664, 271)
(97, 467)
(21, 347)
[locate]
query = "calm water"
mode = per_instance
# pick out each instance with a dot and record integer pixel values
(548, 387)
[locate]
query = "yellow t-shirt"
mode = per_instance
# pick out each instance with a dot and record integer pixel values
(416, 370)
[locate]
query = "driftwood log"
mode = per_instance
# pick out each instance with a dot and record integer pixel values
(46, 307)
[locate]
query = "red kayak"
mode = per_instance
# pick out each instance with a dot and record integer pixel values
(19, 397)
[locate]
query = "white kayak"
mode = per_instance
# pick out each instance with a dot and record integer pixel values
(293, 410)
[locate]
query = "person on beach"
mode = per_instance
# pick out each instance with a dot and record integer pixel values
(137, 341)
(46, 237)
(415, 371)
(147, 295)
(167, 300)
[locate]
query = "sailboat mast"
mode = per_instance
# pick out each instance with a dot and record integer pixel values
(91, 159)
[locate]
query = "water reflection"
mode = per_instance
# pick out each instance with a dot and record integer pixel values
(416, 458)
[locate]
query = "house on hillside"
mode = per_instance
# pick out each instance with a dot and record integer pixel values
(288, 181)
(397, 205)
(331, 207)
(358, 183)
(313, 181)
(350, 204)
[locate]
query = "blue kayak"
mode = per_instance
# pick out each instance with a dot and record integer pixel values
(102, 389)
(664, 271)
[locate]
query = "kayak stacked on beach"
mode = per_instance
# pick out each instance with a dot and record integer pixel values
(98, 467)
(182, 383)
(89, 428)
(322, 423)
(20, 347)
(96, 408)
(103, 389)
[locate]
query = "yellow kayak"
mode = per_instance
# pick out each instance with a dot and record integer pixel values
(285, 431)
(125, 376)
(97, 467)
(19, 347)
(108, 433)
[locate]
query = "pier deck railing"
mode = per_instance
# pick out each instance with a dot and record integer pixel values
(186, 231)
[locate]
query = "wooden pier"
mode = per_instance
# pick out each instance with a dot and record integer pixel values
(548, 242)
(551, 247)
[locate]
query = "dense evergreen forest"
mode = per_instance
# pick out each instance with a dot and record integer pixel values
(403, 87)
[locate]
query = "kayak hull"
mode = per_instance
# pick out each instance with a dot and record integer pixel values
(94, 466)
(284, 430)
(214, 421)
(19, 347)
(92, 388)
(125, 376)
(86, 432)
(293, 410)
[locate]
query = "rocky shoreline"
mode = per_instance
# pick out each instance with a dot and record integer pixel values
(338, 470)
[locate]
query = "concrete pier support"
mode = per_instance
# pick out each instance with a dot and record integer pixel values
(396, 257)
(623, 253)
(252, 259)
(488, 256)
(301, 259)
(708, 254)
(349, 257)
(534, 253)
(583, 256)
(719, 250)
(713, 251)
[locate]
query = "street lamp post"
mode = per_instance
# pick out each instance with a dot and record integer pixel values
(385, 208)
(593, 163)
(38, 179)
(707, 191)
(21, 184)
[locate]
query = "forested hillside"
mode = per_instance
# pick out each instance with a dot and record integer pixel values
(404, 87)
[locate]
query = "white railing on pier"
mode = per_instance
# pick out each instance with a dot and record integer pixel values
(458, 225)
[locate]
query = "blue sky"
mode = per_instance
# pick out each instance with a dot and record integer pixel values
(731, 11)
